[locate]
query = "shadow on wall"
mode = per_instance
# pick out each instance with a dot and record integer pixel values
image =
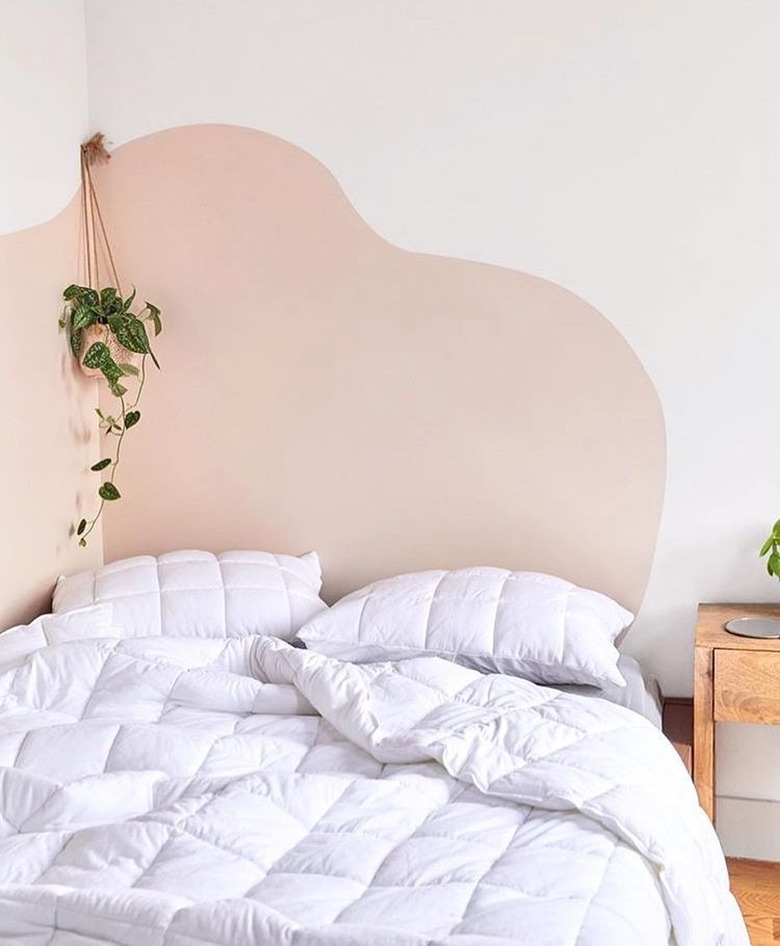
(324, 389)
(47, 419)
(82, 434)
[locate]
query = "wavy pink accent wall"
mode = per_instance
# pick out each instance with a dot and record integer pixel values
(324, 389)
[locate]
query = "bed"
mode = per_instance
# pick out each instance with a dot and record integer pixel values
(182, 763)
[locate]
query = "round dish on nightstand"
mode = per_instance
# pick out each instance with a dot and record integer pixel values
(768, 628)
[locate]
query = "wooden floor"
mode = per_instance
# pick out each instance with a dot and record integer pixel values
(756, 885)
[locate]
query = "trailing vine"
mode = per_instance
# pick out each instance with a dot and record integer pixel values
(107, 337)
(122, 330)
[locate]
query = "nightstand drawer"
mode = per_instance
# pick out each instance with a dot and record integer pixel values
(747, 686)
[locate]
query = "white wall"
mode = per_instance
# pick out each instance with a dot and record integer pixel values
(630, 152)
(43, 107)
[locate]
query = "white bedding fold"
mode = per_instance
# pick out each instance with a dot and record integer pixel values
(517, 741)
(128, 751)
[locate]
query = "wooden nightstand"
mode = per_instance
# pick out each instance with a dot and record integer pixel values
(678, 727)
(735, 679)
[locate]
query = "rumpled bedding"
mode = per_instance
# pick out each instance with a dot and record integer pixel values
(181, 792)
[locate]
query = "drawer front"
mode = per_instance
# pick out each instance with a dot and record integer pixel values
(747, 686)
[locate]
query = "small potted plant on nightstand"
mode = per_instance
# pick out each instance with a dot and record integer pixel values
(765, 625)
(772, 548)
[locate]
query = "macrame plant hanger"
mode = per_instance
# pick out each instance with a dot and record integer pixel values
(94, 152)
(107, 336)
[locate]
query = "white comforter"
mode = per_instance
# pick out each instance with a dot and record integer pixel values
(185, 792)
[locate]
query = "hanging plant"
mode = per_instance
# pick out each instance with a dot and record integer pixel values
(108, 336)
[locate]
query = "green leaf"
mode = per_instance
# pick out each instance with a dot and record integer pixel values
(128, 301)
(132, 335)
(88, 296)
(131, 419)
(83, 295)
(776, 529)
(773, 564)
(767, 545)
(100, 413)
(82, 527)
(154, 315)
(119, 324)
(83, 542)
(109, 492)
(83, 316)
(107, 296)
(111, 372)
(128, 368)
(110, 425)
(97, 355)
(100, 465)
(75, 343)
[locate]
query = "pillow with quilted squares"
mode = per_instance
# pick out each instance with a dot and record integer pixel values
(522, 623)
(199, 594)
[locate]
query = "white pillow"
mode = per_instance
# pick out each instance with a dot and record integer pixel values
(523, 623)
(198, 594)
(85, 624)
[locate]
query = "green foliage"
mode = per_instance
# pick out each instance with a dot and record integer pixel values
(85, 307)
(772, 547)
(108, 491)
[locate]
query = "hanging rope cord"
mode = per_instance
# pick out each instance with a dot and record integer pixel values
(94, 152)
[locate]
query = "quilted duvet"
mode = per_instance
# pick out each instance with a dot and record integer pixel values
(182, 792)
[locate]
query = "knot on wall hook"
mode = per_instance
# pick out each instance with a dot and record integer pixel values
(95, 151)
